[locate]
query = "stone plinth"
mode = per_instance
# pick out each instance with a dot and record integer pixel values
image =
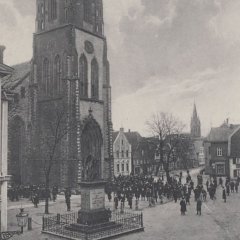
(93, 204)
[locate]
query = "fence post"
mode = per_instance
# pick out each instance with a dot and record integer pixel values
(58, 218)
(141, 217)
(43, 223)
(136, 206)
(29, 224)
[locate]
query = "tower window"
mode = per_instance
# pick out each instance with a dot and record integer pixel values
(94, 79)
(83, 74)
(87, 11)
(46, 76)
(57, 75)
(23, 92)
(52, 9)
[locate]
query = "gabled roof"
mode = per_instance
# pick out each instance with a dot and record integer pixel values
(133, 138)
(5, 70)
(20, 72)
(221, 134)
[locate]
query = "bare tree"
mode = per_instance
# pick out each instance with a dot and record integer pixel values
(55, 125)
(167, 129)
(185, 150)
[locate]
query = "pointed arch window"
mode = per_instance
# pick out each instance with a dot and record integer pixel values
(87, 11)
(52, 9)
(46, 76)
(83, 75)
(94, 79)
(57, 75)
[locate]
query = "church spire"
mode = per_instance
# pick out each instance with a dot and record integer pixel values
(195, 123)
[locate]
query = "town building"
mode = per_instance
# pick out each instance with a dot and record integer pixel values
(125, 145)
(220, 150)
(144, 160)
(70, 71)
(4, 177)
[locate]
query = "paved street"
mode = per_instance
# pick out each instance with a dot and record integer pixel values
(219, 220)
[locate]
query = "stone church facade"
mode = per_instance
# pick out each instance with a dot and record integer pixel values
(69, 70)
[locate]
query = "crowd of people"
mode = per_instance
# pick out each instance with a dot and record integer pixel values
(145, 188)
(35, 193)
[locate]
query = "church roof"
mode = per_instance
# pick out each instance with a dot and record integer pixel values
(20, 72)
(221, 134)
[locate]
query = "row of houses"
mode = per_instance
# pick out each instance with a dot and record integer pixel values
(219, 152)
(139, 155)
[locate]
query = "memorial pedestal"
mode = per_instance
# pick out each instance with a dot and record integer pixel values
(93, 203)
(93, 216)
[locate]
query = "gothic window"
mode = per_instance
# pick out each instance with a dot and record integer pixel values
(23, 92)
(46, 76)
(83, 75)
(87, 11)
(52, 9)
(94, 79)
(117, 154)
(66, 15)
(57, 75)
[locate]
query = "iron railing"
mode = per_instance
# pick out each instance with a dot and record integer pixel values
(121, 223)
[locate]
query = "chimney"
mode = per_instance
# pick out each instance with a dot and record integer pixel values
(2, 48)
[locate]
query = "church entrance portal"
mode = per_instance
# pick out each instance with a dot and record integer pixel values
(91, 143)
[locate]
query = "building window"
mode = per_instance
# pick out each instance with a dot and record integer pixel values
(122, 154)
(94, 79)
(46, 76)
(57, 75)
(87, 11)
(122, 167)
(118, 168)
(52, 9)
(23, 92)
(219, 152)
(127, 167)
(127, 153)
(220, 169)
(83, 75)
(237, 160)
(117, 154)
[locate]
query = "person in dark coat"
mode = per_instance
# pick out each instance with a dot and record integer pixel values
(236, 186)
(224, 196)
(116, 202)
(199, 206)
(228, 189)
(183, 206)
(220, 181)
(35, 200)
(68, 199)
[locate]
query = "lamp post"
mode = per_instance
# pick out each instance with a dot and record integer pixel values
(22, 218)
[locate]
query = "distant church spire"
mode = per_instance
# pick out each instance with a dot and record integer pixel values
(195, 123)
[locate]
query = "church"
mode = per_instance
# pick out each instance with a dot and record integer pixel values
(68, 74)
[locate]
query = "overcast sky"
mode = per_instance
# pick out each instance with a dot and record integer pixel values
(164, 54)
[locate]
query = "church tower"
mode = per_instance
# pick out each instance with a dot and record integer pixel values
(195, 124)
(70, 68)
